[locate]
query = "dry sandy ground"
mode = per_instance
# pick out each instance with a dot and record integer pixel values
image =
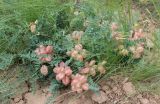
(115, 90)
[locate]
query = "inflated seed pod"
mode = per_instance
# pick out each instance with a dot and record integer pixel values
(92, 62)
(92, 71)
(101, 69)
(124, 52)
(121, 47)
(74, 53)
(84, 53)
(44, 70)
(85, 70)
(114, 26)
(49, 49)
(78, 47)
(32, 27)
(79, 57)
(103, 62)
(68, 53)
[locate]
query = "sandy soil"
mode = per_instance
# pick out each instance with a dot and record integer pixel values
(115, 90)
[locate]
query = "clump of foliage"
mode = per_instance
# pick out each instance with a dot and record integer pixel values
(71, 45)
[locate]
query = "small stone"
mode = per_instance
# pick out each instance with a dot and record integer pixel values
(139, 96)
(105, 88)
(144, 101)
(125, 80)
(108, 92)
(17, 99)
(118, 92)
(99, 98)
(37, 98)
(129, 88)
(114, 89)
(21, 102)
(45, 90)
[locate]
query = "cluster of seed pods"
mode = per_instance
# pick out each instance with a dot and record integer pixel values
(115, 34)
(63, 73)
(79, 83)
(114, 26)
(122, 50)
(78, 53)
(137, 51)
(91, 68)
(77, 35)
(44, 53)
(137, 34)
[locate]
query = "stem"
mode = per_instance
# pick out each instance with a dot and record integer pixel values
(64, 94)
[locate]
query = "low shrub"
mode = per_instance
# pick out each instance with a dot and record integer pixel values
(72, 46)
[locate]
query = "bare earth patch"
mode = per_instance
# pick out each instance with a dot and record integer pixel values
(115, 90)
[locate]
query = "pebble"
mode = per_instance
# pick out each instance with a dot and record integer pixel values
(129, 88)
(100, 97)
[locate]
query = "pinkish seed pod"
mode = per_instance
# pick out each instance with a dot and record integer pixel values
(132, 49)
(85, 70)
(79, 57)
(44, 70)
(60, 76)
(78, 47)
(85, 86)
(140, 49)
(32, 27)
(84, 53)
(48, 59)
(101, 69)
(68, 53)
(87, 64)
(42, 49)
(68, 71)
(114, 26)
(49, 49)
(37, 51)
(79, 90)
(92, 71)
(136, 55)
(56, 70)
(62, 64)
(66, 80)
(74, 53)
(92, 62)
(81, 33)
(74, 35)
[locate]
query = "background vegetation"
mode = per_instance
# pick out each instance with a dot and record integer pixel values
(56, 18)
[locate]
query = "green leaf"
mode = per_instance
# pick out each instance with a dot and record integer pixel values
(92, 85)
(5, 60)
